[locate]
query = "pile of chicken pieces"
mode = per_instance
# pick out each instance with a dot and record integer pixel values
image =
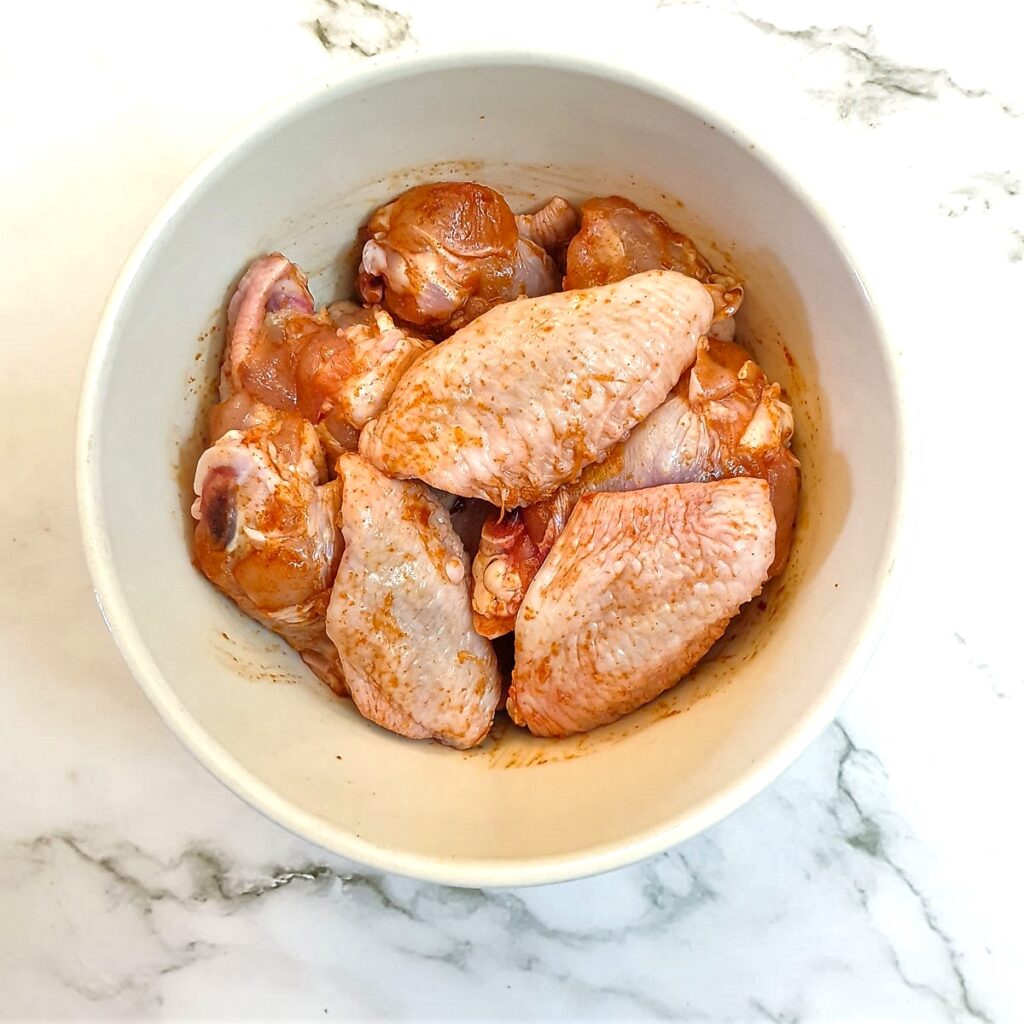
(536, 424)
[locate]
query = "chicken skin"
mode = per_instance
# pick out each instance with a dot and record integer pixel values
(399, 613)
(532, 428)
(634, 592)
(618, 238)
(271, 285)
(526, 396)
(726, 418)
(551, 227)
(337, 367)
(440, 255)
(266, 533)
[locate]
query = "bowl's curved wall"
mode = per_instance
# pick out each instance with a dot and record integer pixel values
(519, 809)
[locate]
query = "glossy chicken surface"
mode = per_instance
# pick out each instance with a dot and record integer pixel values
(338, 366)
(725, 418)
(399, 613)
(440, 255)
(524, 398)
(271, 285)
(353, 371)
(618, 238)
(742, 412)
(551, 227)
(265, 532)
(634, 592)
(533, 427)
(507, 558)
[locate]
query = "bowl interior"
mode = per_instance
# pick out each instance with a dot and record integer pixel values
(517, 809)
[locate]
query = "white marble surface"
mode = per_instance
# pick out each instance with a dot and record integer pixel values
(879, 879)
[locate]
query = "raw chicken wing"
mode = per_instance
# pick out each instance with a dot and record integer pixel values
(507, 558)
(272, 284)
(634, 592)
(725, 419)
(337, 367)
(672, 446)
(440, 255)
(266, 532)
(522, 399)
(399, 613)
(355, 372)
(618, 238)
(752, 428)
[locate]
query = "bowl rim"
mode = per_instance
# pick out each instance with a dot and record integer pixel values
(462, 871)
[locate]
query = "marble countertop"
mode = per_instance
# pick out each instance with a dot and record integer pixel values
(879, 879)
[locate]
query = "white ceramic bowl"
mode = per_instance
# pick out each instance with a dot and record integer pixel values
(518, 810)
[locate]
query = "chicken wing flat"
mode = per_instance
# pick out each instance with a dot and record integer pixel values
(634, 592)
(399, 613)
(527, 395)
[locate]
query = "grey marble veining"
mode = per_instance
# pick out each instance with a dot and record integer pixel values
(825, 872)
(365, 28)
(866, 83)
(873, 83)
(991, 192)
